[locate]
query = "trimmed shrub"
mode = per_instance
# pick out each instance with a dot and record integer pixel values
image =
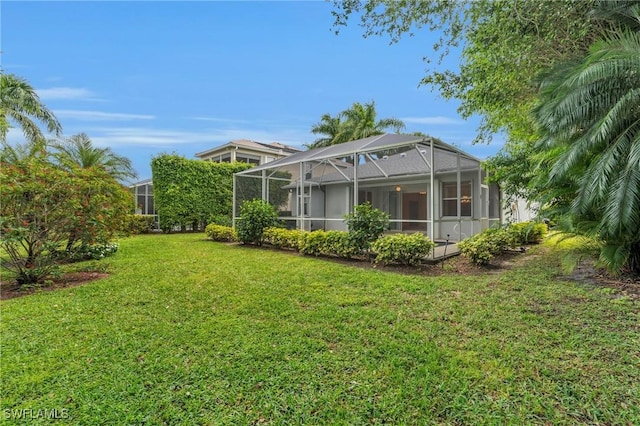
(283, 238)
(402, 248)
(255, 217)
(141, 223)
(221, 233)
(327, 243)
(527, 232)
(483, 247)
(365, 225)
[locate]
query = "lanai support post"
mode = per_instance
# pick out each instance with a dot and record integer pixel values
(355, 179)
(459, 209)
(233, 207)
(301, 198)
(432, 194)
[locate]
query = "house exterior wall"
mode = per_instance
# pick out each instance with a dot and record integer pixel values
(337, 200)
(338, 203)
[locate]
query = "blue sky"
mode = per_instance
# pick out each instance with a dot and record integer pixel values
(150, 77)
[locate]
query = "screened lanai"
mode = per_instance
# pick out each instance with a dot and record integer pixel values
(424, 184)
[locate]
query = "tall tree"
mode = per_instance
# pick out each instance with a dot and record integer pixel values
(357, 122)
(19, 103)
(331, 129)
(589, 117)
(504, 45)
(78, 150)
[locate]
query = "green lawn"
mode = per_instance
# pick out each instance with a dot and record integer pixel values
(187, 331)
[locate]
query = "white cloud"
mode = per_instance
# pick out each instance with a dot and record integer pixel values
(162, 138)
(435, 120)
(73, 93)
(99, 115)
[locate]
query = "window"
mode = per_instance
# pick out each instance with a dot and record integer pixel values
(246, 158)
(450, 199)
(365, 197)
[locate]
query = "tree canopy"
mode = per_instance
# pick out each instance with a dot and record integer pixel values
(504, 45)
(20, 104)
(78, 150)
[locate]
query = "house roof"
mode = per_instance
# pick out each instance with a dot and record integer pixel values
(267, 148)
(444, 155)
(142, 182)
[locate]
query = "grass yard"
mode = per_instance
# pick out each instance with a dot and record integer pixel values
(187, 331)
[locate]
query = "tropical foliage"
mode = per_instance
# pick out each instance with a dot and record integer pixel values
(589, 116)
(78, 150)
(20, 104)
(357, 122)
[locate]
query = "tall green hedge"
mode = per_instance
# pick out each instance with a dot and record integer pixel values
(192, 192)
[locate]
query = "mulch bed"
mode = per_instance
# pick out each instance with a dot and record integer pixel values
(10, 290)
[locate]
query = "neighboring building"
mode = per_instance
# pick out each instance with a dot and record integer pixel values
(143, 195)
(252, 152)
(241, 150)
(393, 172)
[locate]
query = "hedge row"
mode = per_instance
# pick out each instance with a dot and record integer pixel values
(390, 249)
(483, 247)
(221, 233)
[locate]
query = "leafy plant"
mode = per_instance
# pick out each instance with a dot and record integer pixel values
(402, 248)
(328, 243)
(255, 217)
(141, 223)
(222, 219)
(41, 205)
(527, 232)
(366, 224)
(221, 233)
(284, 238)
(483, 247)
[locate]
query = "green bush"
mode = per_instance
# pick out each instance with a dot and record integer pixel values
(327, 243)
(141, 223)
(255, 217)
(527, 232)
(365, 225)
(283, 238)
(221, 233)
(483, 247)
(402, 248)
(222, 219)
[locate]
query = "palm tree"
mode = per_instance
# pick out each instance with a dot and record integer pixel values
(330, 127)
(361, 121)
(357, 122)
(20, 103)
(78, 150)
(590, 118)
